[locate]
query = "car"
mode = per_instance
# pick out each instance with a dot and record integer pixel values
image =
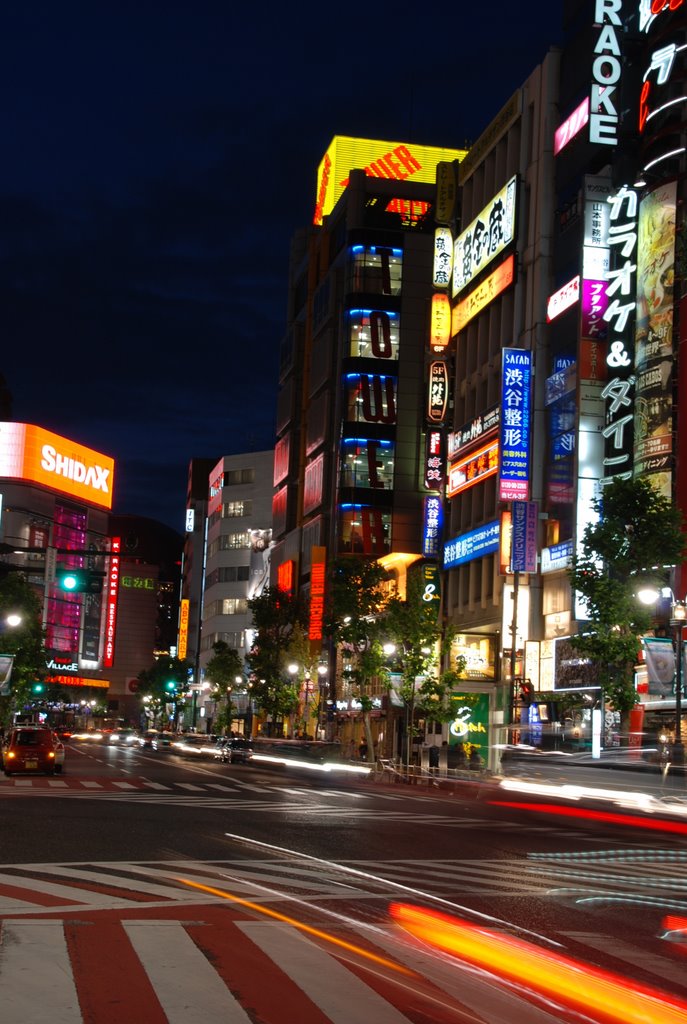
(150, 740)
(124, 737)
(33, 748)
(235, 750)
(194, 744)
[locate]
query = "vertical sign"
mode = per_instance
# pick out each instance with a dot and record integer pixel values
(112, 596)
(434, 460)
(183, 629)
(516, 399)
(318, 563)
(437, 397)
(525, 517)
(433, 519)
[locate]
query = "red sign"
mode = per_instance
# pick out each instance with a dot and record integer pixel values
(112, 594)
(317, 583)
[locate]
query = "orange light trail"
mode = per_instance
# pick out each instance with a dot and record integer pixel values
(318, 933)
(581, 986)
(631, 820)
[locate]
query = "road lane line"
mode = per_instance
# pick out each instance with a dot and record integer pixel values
(188, 988)
(36, 982)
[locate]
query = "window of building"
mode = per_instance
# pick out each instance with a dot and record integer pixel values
(370, 398)
(234, 509)
(367, 463)
(234, 638)
(364, 530)
(228, 574)
(376, 270)
(239, 476)
(226, 606)
(229, 542)
(374, 333)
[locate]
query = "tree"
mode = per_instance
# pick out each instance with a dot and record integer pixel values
(275, 615)
(164, 683)
(25, 642)
(222, 670)
(357, 601)
(638, 533)
(418, 635)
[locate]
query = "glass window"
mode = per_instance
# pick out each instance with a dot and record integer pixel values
(373, 333)
(370, 398)
(364, 530)
(367, 463)
(376, 269)
(234, 509)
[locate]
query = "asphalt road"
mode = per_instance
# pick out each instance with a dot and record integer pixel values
(142, 881)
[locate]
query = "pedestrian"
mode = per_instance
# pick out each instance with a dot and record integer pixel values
(362, 750)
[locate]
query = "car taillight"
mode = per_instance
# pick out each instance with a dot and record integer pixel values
(51, 753)
(11, 753)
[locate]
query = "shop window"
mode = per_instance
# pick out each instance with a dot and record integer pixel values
(370, 398)
(364, 530)
(376, 270)
(373, 333)
(367, 463)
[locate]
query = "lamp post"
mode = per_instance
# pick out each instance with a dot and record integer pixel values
(678, 615)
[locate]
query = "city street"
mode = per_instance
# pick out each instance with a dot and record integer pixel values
(150, 887)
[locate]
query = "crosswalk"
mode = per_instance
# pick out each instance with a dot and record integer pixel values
(173, 941)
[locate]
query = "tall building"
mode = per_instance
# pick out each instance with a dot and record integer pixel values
(353, 383)
(231, 538)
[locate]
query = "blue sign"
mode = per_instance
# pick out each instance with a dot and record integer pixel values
(433, 520)
(482, 541)
(516, 402)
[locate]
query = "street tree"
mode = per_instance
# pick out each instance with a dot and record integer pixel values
(419, 637)
(275, 616)
(223, 670)
(637, 537)
(23, 642)
(358, 595)
(164, 684)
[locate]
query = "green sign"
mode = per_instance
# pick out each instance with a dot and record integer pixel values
(470, 722)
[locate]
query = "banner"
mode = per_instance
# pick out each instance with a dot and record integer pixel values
(6, 663)
(660, 665)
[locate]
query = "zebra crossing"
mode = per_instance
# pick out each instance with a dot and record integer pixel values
(172, 951)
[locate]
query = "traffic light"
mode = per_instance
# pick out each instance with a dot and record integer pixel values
(37, 689)
(79, 581)
(170, 686)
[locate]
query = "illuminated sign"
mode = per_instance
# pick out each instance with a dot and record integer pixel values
(437, 398)
(111, 597)
(397, 160)
(440, 333)
(30, 453)
(443, 258)
(606, 71)
(472, 469)
(516, 398)
(318, 563)
(558, 556)
(649, 10)
(190, 520)
(474, 544)
(215, 490)
(524, 523)
(475, 431)
(410, 211)
(447, 193)
(432, 524)
(183, 628)
(313, 480)
(58, 680)
(281, 459)
(483, 294)
(571, 126)
(488, 235)
(505, 541)
(434, 460)
(137, 582)
(285, 576)
(563, 299)
(431, 586)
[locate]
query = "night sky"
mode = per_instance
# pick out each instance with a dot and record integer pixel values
(157, 158)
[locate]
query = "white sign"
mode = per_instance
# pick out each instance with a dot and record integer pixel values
(606, 70)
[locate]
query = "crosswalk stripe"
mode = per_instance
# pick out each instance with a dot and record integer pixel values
(36, 982)
(337, 992)
(155, 785)
(190, 786)
(186, 984)
(88, 784)
(622, 950)
(123, 785)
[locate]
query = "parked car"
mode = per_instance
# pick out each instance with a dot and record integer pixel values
(33, 748)
(234, 750)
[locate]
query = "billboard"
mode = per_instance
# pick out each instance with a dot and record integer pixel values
(487, 236)
(516, 400)
(38, 456)
(401, 161)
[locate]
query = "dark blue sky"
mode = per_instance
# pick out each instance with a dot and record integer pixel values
(157, 158)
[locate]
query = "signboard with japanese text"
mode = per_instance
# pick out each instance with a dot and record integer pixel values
(435, 474)
(516, 398)
(480, 297)
(437, 397)
(485, 237)
(474, 544)
(443, 258)
(475, 432)
(524, 524)
(473, 468)
(432, 525)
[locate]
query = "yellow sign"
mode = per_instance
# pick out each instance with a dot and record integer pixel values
(482, 295)
(182, 646)
(400, 161)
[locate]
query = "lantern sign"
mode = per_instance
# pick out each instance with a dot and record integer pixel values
(443, 258)
(440, 333)
(437, 398)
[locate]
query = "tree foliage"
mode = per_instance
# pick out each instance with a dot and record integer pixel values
(223, 670)
(275, 616)
(25, 641)
(155, 683)
(637, 538)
